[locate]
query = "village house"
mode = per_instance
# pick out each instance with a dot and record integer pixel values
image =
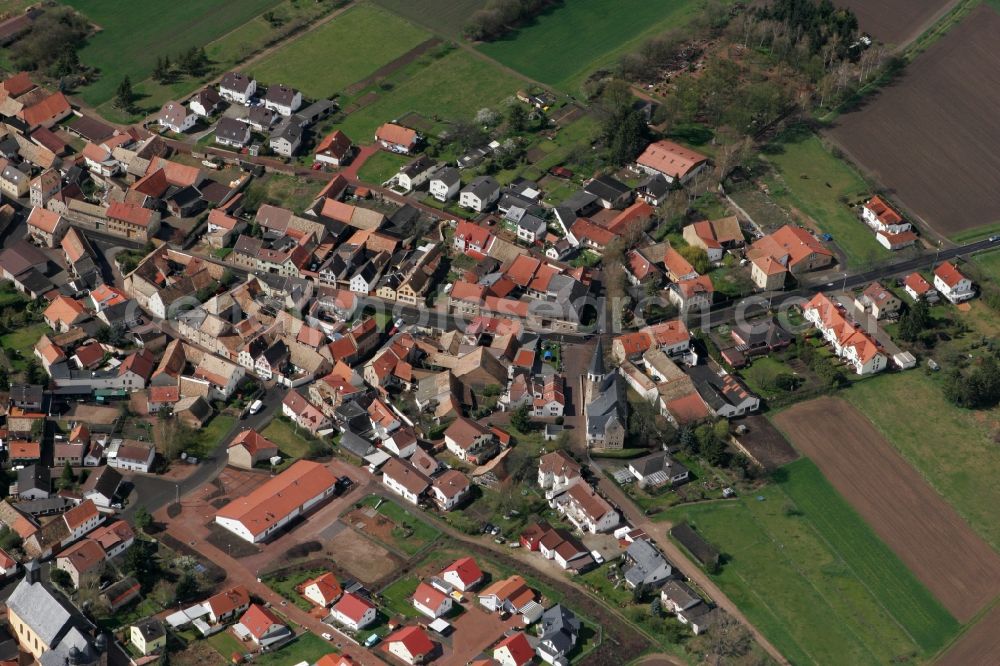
(237, 88)
(514, 650)
(854, 345)
(658, 469)
(431, 601)
(791, 249)
(463, 574)
(510, 594)
(14, 182)
(132, 222)
(262, 626)
(586, 509)
(335, 149)
(479, 194)
(397, 138)
(353, 611)
(644, 565)
(449, 490)
(470, 441)
(413, 175)
(131, 455)
(557, 472)
(226, 605)
(880, 216)
(405, 480)
(324, 590)
(232, 132)
(878, 301)
(148, 636)
(205, 102)
(46, 228)
(445, 184)
(176, 118)
(305, 414)
(692, 294)
(470, 238)
(286, 137)
(715, 236)
(249, 448)
(282, 99)
(952, 284)
(412, 645)
(916, 287)
(560, 630)
(101, 487)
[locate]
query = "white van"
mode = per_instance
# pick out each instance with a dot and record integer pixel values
(256, 406)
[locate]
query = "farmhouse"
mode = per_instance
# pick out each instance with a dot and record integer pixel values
(133, 222)
(715, 236)
(854, 345)
(46, 227)
(671, 160)
(952, 284)
(256, 517)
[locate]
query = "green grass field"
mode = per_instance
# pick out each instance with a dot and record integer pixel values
(443, 16)
(818, 184)
(951, 447)
(290, 443)
(130, 39)
(306, 648)
(19, 345)
(422, 533)
(397, 596)
(449, 88)
(344, 51)
(812, 576)
(989, 263)
(563, 46)
(381, 166)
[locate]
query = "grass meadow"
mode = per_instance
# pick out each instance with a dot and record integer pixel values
(818, 184)
(450, 87)
(560, 48)
(345, 50)
(382, 166)
(130, 39)
(811, 574)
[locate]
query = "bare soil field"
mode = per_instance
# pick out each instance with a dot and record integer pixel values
(979, 645)
(765, 443)
(896, 22)
(955, 564)
(366, 561)
(930, 137)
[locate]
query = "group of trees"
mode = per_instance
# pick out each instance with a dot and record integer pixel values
(978, 388)
(624, 132)
(499, 17)
(916, 322)
(831, 375)
(52, 43)
(192, 62)
(709, 440)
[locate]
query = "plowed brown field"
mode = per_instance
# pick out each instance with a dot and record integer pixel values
(979, 645)
(955, 564)
(896, 22)
(930, 138)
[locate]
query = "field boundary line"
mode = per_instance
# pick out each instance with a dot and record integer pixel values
(809, 582)
(966, 628)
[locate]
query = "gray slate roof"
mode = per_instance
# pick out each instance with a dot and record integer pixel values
(39, 609)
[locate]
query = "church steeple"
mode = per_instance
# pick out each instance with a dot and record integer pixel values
(596, 370)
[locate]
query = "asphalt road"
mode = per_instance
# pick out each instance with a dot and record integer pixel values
(154, 492)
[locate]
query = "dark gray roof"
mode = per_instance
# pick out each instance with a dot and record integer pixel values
(579, 201)
(289, 130)
(232, 129)
(356, 444)
(235, 81)
(208, 98)
(649, 567)
(680, 593)
(280, 94)
(449, 176)
(26, 393)
(34, 477)
(15, 175)
(151, 628)
(482, 187)
(606, 187)
(276, 352)
(560, 628)
(105, 482)
(417, 166)
(656, 185)
(261, 116)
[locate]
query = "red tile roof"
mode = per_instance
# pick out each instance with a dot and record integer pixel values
(253, 442)
(258, 620)
(79, 515)
(353, 606)
(131, 214)
(414, 639)
(336, 144)
(917, 283)
(466, 569)
(229, 600)
(519, 648)
(51, 107)
(428, 596)
(278, 497)
(670, 158)
(885, 213)
(397, 134)
(949, 274)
